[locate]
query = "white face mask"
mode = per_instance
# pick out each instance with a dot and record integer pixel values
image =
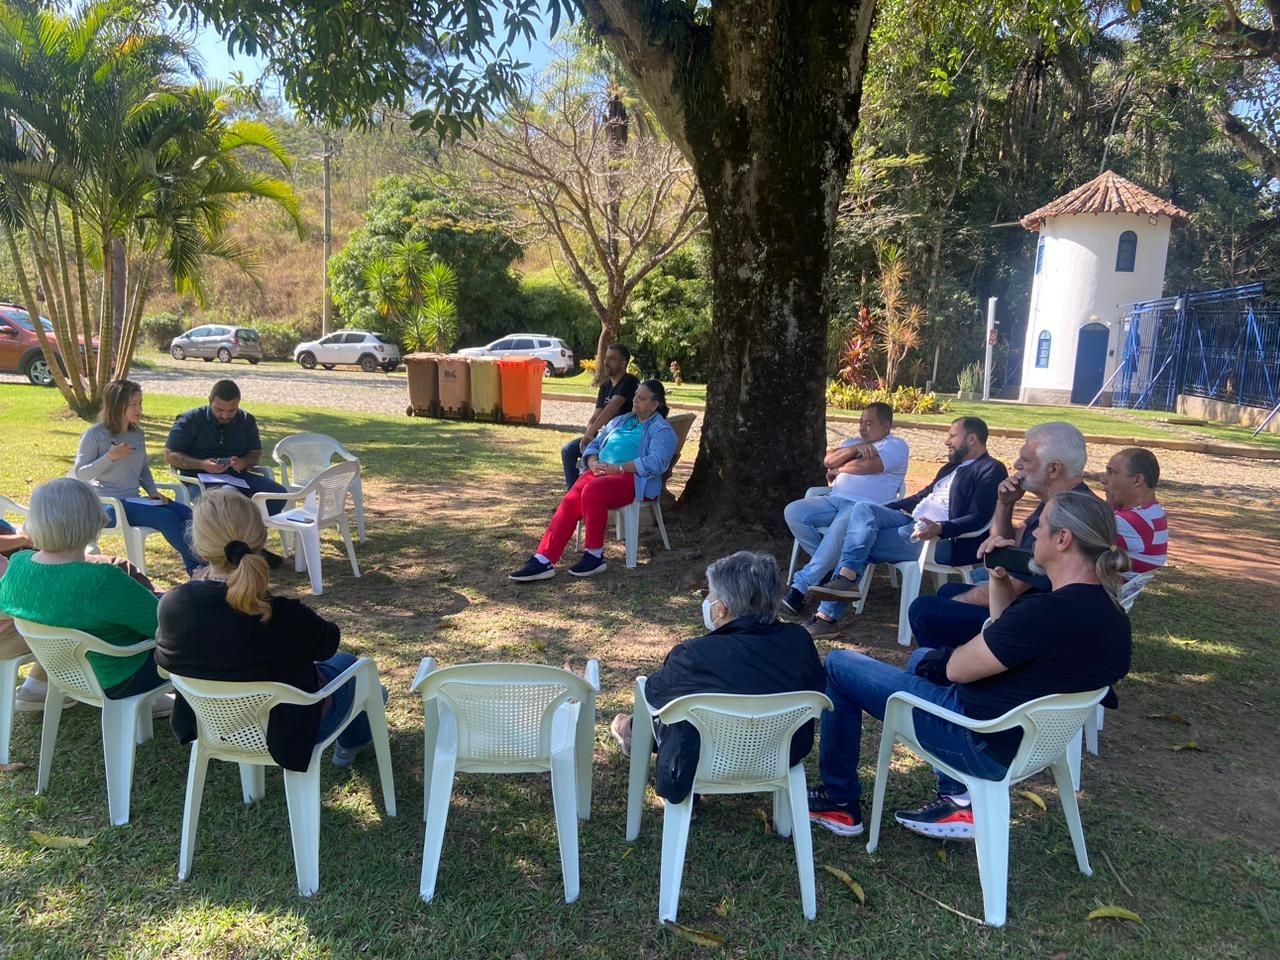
(707, 604)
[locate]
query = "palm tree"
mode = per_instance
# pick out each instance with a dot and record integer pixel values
(414, 295)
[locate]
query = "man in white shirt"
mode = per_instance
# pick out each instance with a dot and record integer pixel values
(871, 468)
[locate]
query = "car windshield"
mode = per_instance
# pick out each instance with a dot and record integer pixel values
(24, 320)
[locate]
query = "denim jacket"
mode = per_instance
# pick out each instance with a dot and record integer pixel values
(657, 449)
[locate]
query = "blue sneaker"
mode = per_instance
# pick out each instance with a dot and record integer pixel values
(534, 569)
(589, 566)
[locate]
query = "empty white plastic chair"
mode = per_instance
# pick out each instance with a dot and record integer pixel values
(745, 748)
(135, 538)
(507, 718)
(304, 456)
(1050, 725)
(912, 573)
(1128, 594)
(323, 504)
(126, 722)
(231, 725)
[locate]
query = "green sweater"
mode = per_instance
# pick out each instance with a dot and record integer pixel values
(93, 597)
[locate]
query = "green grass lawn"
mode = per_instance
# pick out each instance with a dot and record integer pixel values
(1184, 838)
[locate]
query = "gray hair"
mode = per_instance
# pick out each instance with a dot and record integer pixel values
(65, 515)
(1061, 443)
(748, 583)
(1093, 529)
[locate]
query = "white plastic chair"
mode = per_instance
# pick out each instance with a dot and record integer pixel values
(324, 504)
(231, 725)
(507, 718)
(9, 668)
(745, 748)
(912, 573)
(1128, 594)
(125, 723)
(1050, 726)
(135, 538)
(304, 456)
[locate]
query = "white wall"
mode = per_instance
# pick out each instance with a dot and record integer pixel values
(1078, 281)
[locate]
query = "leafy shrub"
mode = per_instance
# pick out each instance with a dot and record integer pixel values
(278, 340)
(159, 329)
(589, 366)
(668, 315)
(547, 306)
(903, 400)
(970, 379)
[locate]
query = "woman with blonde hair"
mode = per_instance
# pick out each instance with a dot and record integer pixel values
(229, 626)
(112, 458)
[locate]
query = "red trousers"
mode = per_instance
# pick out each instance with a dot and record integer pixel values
(590, 501)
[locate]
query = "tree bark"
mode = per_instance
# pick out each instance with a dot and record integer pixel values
(762, 97)
(1247, 142)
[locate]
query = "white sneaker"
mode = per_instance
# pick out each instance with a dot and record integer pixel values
(162, 706)
(26, 700)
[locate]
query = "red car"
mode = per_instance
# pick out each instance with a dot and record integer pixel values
(20, 347)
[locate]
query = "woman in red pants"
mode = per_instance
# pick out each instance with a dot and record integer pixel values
(624, 463)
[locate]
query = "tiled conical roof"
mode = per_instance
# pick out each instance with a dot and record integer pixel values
(1107, 193)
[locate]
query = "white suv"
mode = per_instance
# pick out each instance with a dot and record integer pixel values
(553, 352)
(369, 351)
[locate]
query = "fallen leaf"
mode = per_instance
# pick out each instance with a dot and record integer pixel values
(1169, 718)
(626, 853)
(1114, 913)
(700, 937)
(942, 853)
(1189, 745)
(11, 767)
(848, 881)
(764, 819)
(1034, 798)
(59, 843)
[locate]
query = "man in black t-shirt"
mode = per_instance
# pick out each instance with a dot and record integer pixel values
(613, 400)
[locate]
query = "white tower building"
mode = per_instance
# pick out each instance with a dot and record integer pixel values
(1101, 245)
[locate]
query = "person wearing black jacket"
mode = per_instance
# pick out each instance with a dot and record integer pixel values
(959, 501)
(747, 651)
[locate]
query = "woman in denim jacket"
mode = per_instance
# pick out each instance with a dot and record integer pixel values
(624, 463)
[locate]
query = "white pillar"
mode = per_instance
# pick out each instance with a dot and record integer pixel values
(991, 337)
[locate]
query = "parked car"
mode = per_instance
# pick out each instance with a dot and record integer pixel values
(20, 347)
(367, 350)
(215, 341)
(553, 352)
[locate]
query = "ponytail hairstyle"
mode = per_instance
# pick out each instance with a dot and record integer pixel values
(659, 392)
(1093, 530)
(227, 531)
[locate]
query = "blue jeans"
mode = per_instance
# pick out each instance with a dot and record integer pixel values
(804, 517)
(144, 678)
(570, 454)
(357, 733)
(941, 621)
(173, 520)
(857, 683)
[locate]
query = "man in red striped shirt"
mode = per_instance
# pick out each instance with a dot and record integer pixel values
(1141, 526)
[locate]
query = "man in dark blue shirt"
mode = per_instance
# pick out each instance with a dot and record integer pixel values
(617, 390)
(221, 439)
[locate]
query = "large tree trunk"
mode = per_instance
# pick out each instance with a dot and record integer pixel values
(763, 100)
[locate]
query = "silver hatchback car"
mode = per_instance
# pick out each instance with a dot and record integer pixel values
(217, 342)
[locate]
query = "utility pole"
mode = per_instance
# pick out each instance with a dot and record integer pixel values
(327, 236)
(991, 342)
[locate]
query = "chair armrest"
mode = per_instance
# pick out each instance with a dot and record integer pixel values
(942, 713)
(982, 532)
(263, 471)
(262, 498)
(179, 491)
(592, 674)
(425, 669)
(115, 504)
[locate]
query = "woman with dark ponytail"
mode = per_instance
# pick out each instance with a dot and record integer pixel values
(624, 463)
(228, 626)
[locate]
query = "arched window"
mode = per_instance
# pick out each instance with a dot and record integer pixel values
(1040, 254)
(1126, 252)
(1042, 349)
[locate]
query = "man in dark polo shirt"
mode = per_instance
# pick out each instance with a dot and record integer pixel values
(614, 399)
(220, 439)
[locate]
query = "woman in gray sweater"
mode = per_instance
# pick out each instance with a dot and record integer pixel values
(112, 458)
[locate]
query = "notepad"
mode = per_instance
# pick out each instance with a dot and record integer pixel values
(146, 501)
(222, 478)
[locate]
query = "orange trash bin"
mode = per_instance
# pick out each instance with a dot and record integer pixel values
(486, 389)
(521, 389)
(455, 387)
(424, 384)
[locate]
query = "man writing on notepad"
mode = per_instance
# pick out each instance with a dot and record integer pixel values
(219, 443)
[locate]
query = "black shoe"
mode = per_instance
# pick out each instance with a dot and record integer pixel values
(842, 819)
(274, 560)
(589, 566)
(944, 819)
(794, 601)
(838, 588)
(534, 569)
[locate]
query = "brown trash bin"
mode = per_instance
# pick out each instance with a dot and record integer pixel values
(455, 387)
(424, 384)
(486, 389)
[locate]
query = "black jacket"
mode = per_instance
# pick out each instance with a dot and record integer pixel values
(743, 656)
(973, 501)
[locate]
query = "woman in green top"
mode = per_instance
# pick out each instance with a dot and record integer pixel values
(56, 586)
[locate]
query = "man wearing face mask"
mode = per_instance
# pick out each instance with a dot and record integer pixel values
(747, 651)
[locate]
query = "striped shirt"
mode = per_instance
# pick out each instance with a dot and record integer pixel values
(1143, 532)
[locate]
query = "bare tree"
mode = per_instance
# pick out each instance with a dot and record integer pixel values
(573, 164)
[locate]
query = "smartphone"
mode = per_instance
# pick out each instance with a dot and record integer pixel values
(1011, 558)
(225, 461)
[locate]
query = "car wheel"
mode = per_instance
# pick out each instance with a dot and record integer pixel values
(207, 359)
(390, 367)
(254, 362)
(327, 366)
(307, 360)
(368, 364)
(177, 352)
(549, 370)
(38, 372)
(224, 355)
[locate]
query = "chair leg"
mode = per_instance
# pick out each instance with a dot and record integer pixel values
(864, 588)
(309, 543)
(991, 841)
(1071, 810)
(641, 747)
(144, 728)
(911, 577)
(437, 815)
(1092, 724)
(345, 528)
(795, 555)
(882, 780)
(631, 522)
(302, 792)
(376, 711)
(584, 750)
(119, 725)
(191, 810)
(135, 548)
(675, 839)
(253, 782)
(802, 840)
(357, 501)
(662, 527)
(8, 689)
(782, 813)
(564, 797)
(48, 735)
(430, 736)
(1073, 760)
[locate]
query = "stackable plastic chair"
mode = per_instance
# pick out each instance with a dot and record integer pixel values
(9, 668)
(1128, 594)
(125, 723)
(135, 538)
(324, 504)
(304, 456)
(231, 725)
(1050, 725)
(507, 718)
(912, 573)
(745, 748)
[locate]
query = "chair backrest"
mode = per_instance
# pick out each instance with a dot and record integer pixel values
(8, 506)
(503, 711)
(61, 651)
(745, 739)
(327, 492)
(231, 718)
(1049, 724)
(681, 423)
(1134, 586)
(304, 456)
